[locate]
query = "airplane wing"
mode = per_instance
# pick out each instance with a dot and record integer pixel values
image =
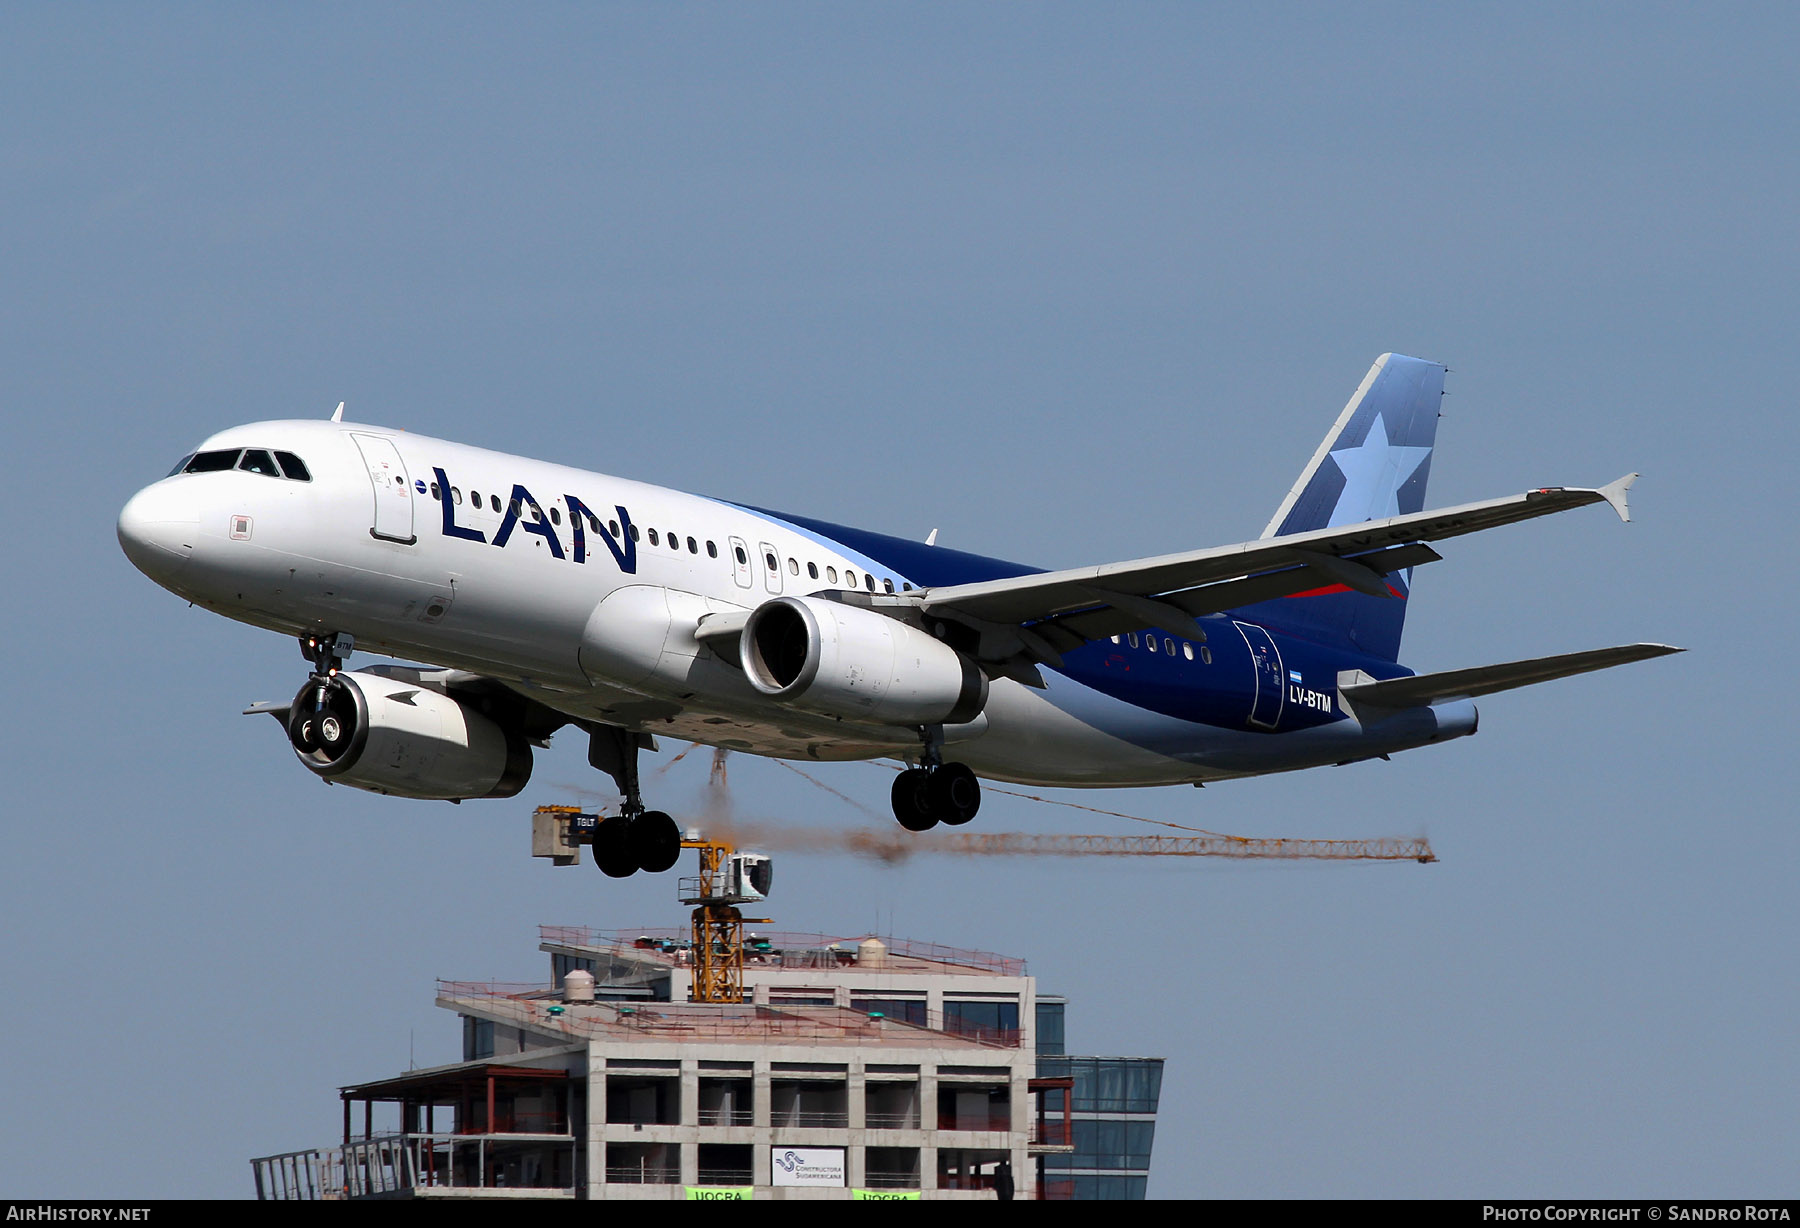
(1424, 689)
(1049, 613)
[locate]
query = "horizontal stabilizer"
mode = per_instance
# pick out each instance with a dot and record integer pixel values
(277, 709)
(1426, 689)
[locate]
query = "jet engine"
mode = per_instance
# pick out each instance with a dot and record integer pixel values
(391, 735)
(853, 663)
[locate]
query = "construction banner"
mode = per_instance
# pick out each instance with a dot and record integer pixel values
(718, 1193)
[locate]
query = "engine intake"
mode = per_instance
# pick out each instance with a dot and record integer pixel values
(853, 663)
(391, 735)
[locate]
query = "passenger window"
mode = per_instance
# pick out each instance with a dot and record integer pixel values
(905, 586)
(434, 490)
(868, 581)
(512, 507)
(1169, 647)
(1132, 639)
(793, 567)
(1187, 650)
(888, 585)
(1206, 656)
(653, 538)
(674, 542)
(831, 575)
(612, 526)
(456, 495)
(634, 534)
(212, 462)
(475, 498)
(1150, 642)
(293, 466)
(693, 546)
(812, 571)
(494, 502)
(773, 564)
(555, 514)
(712, 551)
(849, 577)
(742, 558)
(1115, 639)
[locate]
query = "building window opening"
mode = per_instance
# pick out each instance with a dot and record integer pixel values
(892, 1168)
(643, 1163)
(643, 1101)
(726, 1164)
(891, 1106)
(727, 1102)
(965, 1106)
(817, 1104)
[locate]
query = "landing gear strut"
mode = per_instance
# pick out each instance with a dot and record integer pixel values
(634, 839)
(937, 792)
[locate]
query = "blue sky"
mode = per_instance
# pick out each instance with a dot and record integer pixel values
(1067, 283)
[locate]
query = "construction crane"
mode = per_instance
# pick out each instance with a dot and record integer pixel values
(726, 880)
(1038, 844)
(729, 878)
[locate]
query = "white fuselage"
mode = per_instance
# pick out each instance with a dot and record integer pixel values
(603, 629)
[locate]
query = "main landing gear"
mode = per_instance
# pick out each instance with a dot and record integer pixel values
(937, 792)
(634, 839)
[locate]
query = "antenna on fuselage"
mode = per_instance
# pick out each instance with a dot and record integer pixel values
(931, 538)
(337, 415)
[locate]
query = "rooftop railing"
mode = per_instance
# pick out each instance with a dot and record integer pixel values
(391, 1164)
(790, 950)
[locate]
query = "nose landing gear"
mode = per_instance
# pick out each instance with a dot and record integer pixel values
(319, 721)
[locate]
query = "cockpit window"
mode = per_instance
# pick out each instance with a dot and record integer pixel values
(249, 460)
(181, 464)
(212, 462)
(256, 460)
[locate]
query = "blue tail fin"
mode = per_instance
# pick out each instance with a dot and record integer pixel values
(1373, 464)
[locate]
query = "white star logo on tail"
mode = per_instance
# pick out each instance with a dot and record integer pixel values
(1374, 471)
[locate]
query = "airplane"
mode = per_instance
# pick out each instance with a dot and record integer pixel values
(536, 596)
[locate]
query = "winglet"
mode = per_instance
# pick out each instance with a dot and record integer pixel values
(1614, 493)
(337, 415)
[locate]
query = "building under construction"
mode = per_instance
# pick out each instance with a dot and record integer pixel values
(721, 1062)
(851, 1068)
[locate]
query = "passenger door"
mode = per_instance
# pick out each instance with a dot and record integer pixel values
(393, 519)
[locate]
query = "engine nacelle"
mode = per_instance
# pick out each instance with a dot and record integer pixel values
(850, 662)
(390, 735)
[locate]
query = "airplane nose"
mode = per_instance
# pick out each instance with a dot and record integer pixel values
(157, 528)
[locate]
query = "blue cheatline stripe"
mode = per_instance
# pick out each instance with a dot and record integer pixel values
(921, 565)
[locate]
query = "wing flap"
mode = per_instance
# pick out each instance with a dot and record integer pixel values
(1426, 689)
